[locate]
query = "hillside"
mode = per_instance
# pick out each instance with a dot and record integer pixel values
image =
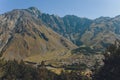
(34, 36)
(97, 33)
(24, 36)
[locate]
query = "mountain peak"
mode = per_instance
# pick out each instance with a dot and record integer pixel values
(34, 11)
(33, 8)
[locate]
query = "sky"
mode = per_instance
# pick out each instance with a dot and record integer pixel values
(83, 8)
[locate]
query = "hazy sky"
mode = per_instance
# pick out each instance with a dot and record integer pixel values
(82, 8)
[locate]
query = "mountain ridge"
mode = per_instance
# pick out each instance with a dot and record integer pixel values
(75, 28)
(23, 36)
(32, 35)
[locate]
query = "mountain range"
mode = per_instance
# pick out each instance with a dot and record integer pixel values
(97, 33)
(32, 35)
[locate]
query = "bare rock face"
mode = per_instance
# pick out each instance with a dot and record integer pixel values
(24, 36)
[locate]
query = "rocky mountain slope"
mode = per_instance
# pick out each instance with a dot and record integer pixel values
(24, 36)
(97, 33)
(34, 36)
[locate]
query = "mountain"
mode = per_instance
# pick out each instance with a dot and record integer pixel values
(32, 35)
(70, 26)
(24, 36)
(97, 33)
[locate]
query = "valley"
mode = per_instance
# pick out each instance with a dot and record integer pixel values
(68, 43)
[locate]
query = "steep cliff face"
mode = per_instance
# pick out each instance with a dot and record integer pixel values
(24, 36)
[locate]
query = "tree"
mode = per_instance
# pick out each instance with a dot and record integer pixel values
(111, 68)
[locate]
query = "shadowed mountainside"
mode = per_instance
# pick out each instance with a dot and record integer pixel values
(97, 33)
